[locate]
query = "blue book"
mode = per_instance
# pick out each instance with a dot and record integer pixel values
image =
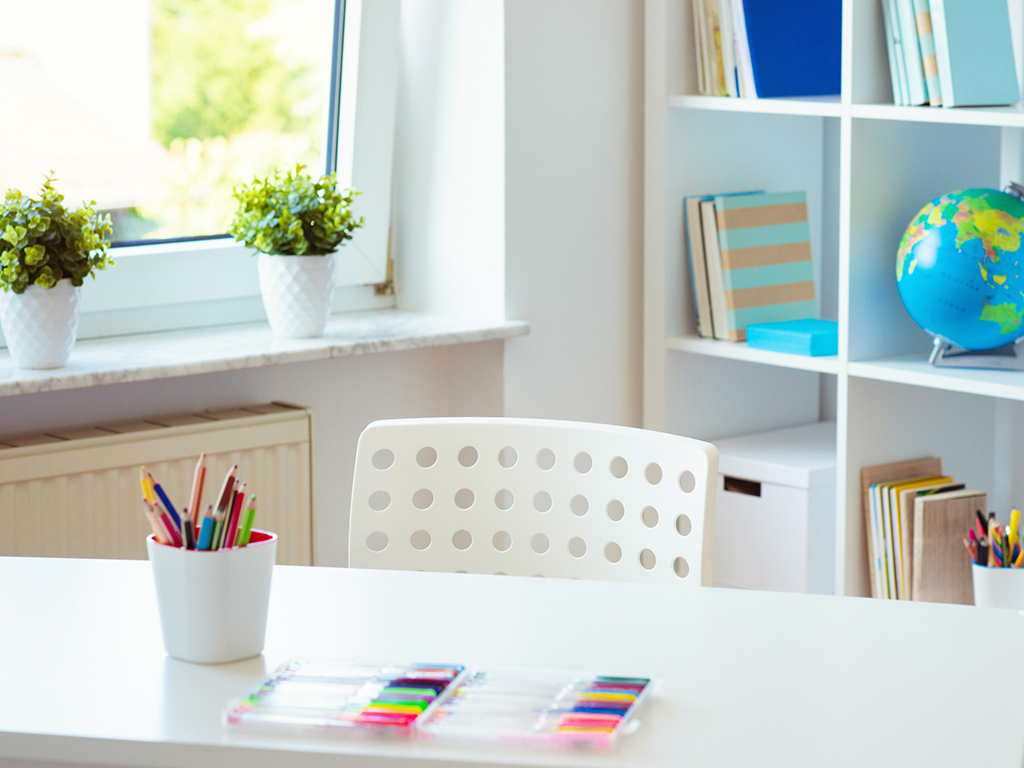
(796, 337)
(974, 52)
(795, 46)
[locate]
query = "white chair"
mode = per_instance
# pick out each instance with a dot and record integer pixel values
(533, 498)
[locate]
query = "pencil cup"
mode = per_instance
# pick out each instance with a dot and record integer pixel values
(998, 587)
(213, 605)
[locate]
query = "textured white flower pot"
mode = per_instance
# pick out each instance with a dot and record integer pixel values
(297, 293)
(41, 324)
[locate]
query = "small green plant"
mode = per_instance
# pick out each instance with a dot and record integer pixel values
(42, 242)
(291, 214)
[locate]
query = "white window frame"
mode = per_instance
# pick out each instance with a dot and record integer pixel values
(200, 283)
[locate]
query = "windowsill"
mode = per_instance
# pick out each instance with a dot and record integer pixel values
(163, 355)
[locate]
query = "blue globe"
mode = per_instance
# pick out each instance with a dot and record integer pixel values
(958, 268)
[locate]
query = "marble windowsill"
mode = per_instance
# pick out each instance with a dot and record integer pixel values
(226, 348)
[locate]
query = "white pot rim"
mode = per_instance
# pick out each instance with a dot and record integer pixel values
(36, 288)
(297, 256)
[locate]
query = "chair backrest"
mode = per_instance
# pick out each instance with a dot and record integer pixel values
(530, 497)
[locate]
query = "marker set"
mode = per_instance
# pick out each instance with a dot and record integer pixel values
(539, 707)
(442, 702)
(332, 694)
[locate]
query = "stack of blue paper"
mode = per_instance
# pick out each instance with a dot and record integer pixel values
(814, 338)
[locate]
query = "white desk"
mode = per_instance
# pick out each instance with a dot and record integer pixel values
(749, 678)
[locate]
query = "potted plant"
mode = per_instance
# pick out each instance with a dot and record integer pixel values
(46, 252)
(297, 224)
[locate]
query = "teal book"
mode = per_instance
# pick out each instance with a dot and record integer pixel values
(765, 251)
(917, 90)
(974, 52)
(810, 337)
(890, 43)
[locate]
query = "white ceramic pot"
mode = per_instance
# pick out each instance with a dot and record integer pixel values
(213, 605)
(297, 293)
(41, 324)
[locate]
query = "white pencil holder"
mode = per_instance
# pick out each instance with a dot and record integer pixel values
(998, 587)
(213, 605)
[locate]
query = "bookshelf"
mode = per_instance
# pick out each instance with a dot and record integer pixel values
(867, 167)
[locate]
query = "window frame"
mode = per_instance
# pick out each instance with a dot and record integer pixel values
(210, 281)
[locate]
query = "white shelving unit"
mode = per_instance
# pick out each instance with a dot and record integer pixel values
(867, 167)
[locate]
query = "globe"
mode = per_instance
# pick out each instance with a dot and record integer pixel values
(958, 268)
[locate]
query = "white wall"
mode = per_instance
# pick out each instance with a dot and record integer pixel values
(449, 230)
(574, 194)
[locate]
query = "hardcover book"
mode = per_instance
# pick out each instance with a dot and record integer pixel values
(765, 251)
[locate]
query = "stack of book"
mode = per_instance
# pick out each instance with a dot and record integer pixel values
(950, 53)
(768, 48)
(750, 261)
(915, 517)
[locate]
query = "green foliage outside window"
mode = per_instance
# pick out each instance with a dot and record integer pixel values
(213, 76)
(42, 242)
(230, 101)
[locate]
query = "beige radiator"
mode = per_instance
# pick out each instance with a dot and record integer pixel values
(76, 493)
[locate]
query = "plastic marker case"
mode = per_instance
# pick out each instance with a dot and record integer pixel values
(547, 708)
(336, 695)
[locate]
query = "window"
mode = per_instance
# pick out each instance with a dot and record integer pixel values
(157, 109)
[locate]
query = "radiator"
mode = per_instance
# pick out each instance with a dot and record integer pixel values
(76, 493)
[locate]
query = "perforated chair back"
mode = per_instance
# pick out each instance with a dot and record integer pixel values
(533, 498)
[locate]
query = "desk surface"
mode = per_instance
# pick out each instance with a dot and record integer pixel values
(748, 678)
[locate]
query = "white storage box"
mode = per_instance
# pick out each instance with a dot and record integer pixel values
(775, 510)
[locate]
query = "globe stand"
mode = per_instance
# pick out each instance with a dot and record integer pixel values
(1007, 358)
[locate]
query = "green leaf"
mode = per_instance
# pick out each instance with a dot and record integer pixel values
(14, 234)
(35, 254)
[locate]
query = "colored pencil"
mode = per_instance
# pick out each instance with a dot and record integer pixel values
(195, 499)
(205, 534)
(246, 531)
(154, 523)
(236, 511)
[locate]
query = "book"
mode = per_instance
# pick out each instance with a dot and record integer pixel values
(727, 46)
(700, 47)
(906, 506)
(713, 263)
(765, 252)
(745, 73)
(917, 92)
(901, 59)
(926, 42)
(901, 565)
(694, 235)
(890, 44)
(795, 46)
(870, 478)
(713, 44)
(810, 337)
(974, 52)
(942, 570)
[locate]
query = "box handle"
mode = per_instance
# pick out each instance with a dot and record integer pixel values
(739, 485)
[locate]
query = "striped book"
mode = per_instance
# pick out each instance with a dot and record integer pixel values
(923, 17)
(765, 250)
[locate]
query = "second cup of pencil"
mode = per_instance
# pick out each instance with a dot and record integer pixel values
(226, 525)
(997, 561)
